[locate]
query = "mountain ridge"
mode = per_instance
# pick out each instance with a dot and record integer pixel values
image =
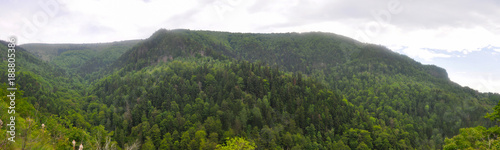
(218, 42)
(47, 51)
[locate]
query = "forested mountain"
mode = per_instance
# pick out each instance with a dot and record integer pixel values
(48, 52)
(81, 59)
(389, 86)
(182, 89)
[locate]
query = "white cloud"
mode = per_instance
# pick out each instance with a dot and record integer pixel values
(497, 50)
(481, 81)
(100, 21)
(128, 19)
(424, 54)
(445, 38)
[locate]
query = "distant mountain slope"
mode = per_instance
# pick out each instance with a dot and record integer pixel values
(48, 52)
(81, 59)
(26, 62)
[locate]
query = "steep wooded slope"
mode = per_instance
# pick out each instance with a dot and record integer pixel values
(390, 86)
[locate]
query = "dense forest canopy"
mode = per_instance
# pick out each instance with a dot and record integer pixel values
(183, 89)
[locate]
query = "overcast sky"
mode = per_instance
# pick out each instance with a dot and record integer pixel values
(462, 36)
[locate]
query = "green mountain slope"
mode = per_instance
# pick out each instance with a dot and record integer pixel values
(182, 89)
(48, 52)
(48, 106)
(83, 60)
(221, 99)
(390, 86)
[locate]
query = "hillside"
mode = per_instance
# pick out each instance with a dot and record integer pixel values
(182, 89)
(47, 95)
(83, 60)
(48, 52)
(387, 85)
